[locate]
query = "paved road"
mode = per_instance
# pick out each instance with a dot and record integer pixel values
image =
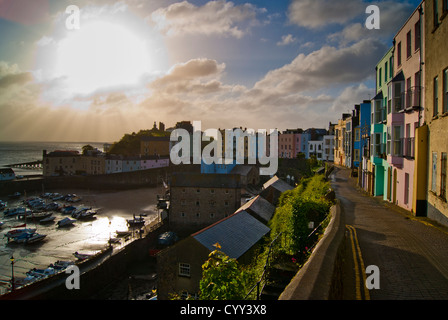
(411, 253)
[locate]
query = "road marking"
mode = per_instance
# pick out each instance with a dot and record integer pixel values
(359, 265)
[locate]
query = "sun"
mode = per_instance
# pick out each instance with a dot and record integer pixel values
(101, 55)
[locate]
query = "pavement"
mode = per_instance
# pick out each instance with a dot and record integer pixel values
(406, 257)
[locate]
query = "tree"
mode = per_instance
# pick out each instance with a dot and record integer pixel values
(87, 148)
(221, 278)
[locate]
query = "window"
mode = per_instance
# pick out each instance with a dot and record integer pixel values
(408, 44)
(198, 191)
(391, 66)
(399, 54)
(397, 151)
(184, 269)
(197, 203)
(212, 215)
(379, 77)
(445, 90)
(183, 202)
(436, 96)
(443, 176)
(436, 13)
(385, 72)
(445, 6)
(212, 191)
(417, 35)
(434, 172)
(357, 134)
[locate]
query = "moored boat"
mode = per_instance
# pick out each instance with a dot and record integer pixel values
(18, 232)
(35, 237)
(65, 222)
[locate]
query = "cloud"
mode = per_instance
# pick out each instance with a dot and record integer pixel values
(196, 76)
(11, 75)
(214, 17)
(328, 66)
(393, 15)
(287, 39)
(350, 96)
(319, 13)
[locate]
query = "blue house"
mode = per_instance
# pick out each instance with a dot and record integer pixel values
(361, 133)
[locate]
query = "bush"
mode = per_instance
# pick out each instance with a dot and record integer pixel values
(221, 278)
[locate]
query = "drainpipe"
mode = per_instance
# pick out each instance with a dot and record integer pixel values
(420, 11)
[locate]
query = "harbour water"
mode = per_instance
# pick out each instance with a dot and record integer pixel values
(85, 236)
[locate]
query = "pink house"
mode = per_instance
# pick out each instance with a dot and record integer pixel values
(405, 109)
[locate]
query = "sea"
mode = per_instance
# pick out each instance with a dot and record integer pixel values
(20, 152)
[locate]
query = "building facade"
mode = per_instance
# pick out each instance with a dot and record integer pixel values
(198, 200)
(406, 112)
(379, 165)
(436, 104)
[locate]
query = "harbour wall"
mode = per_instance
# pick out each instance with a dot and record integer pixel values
(115, 181)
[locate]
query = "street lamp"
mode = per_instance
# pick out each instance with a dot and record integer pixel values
(12, 273)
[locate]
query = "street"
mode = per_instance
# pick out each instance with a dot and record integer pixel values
(406, 257)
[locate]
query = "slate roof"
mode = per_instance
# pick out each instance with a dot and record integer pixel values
(260, 207)
(278, 184)
(235, 234)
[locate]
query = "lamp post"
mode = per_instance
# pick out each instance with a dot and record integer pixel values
(12, 273)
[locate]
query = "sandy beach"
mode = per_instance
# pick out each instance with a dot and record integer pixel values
(87, 236)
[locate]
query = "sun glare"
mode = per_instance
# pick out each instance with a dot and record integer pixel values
(99, 55)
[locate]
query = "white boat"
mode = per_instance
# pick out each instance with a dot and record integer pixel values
(35, 237)
(1, 223)
(65, 222)
(82, 256)
(86, 214)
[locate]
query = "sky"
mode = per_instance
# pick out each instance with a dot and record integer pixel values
(259, 64)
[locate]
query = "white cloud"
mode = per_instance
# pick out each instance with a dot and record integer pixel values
(286, 40)
(328, 66)
(319, 13)
(214, 17)
(350, 96)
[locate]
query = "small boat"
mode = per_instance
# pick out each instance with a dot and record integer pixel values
(35, 215)
(65, 222)
(85, 214)
(82, 256)
(15, 211)
(41, 273)
(35, 237)
(79, 212)
(1, 223)
(61, 265)
(54, 206)
(3, 205)
(68, 210)
(18, 232)
(136, 221)
(47, 220)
